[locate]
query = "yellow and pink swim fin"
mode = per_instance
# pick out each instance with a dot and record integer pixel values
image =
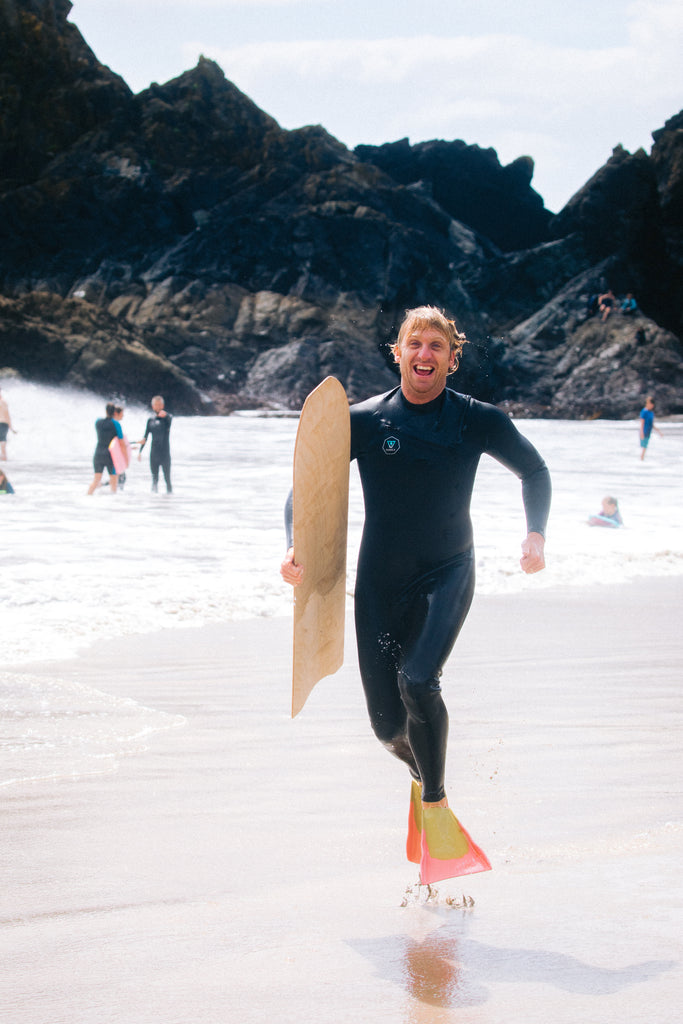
(439, 843)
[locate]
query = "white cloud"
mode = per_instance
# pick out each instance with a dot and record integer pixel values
(570, 105)
(522, 92)
(652, 23)
(507, 66)
(198, 7)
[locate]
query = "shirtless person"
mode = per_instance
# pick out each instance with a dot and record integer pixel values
(5, 427)
(418, 448)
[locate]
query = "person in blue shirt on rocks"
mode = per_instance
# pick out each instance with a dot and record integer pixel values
(629, 306)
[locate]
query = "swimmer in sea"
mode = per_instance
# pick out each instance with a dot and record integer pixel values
(418, 448)
(609, 514)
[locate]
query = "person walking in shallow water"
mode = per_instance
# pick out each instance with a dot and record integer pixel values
(647, 425)
(159, 426)
(107, 429)
(118, 416)
(418, 448)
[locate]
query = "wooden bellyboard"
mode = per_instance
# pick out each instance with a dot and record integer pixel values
(320, 517)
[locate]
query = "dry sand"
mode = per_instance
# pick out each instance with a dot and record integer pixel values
(248, 868)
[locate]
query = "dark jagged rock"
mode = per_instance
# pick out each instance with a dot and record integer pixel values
(472, 186)
(667, 160)
(53, 88)
(617, 213)
(612, 208)
(50, 339)
(603, 370)
(181, 241)
(571, 364)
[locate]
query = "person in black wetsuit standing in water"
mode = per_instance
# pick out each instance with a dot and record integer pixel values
(418, 448)
(107, 428)
(159, 426)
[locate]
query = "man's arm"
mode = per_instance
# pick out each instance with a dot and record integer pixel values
(516, 453)
(533, 558)
(143, 442)
(536, 495)
(289, 570)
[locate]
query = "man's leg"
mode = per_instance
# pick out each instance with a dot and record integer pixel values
(95, 483)
(166, 467)
(377, 660)
(154, 467)
(437, 611)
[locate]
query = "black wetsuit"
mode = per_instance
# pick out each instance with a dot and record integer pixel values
(160, 456)
(415, 578)
(106, 432)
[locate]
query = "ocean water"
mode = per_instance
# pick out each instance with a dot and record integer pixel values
(81, 570)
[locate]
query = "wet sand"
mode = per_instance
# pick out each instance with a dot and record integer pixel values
(246, 867)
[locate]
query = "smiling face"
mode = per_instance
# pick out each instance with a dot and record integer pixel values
(425, 359)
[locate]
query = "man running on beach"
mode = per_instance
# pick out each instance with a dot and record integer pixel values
(418, 448)
(159, 426)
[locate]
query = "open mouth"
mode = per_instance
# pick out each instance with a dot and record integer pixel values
(423, 371)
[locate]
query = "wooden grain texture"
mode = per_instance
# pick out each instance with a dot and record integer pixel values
(320, 518)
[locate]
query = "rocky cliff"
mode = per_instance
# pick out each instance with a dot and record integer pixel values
(180, 241)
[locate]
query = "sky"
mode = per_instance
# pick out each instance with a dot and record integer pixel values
(562, 82)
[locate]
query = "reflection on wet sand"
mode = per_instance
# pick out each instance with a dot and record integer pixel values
(446, 969)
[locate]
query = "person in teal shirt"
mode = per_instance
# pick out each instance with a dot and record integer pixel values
(647, 425)
(107, 428)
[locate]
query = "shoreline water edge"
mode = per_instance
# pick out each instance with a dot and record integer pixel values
(87, 572)
(176, 848)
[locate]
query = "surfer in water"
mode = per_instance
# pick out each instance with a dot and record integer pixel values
(159, 426)
(418, 448)
(107, 428)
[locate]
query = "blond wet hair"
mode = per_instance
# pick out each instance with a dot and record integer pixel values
(422, 317)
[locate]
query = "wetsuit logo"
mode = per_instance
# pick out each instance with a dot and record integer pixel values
(390, 445)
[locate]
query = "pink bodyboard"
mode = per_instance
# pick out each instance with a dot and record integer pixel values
(119, 455)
